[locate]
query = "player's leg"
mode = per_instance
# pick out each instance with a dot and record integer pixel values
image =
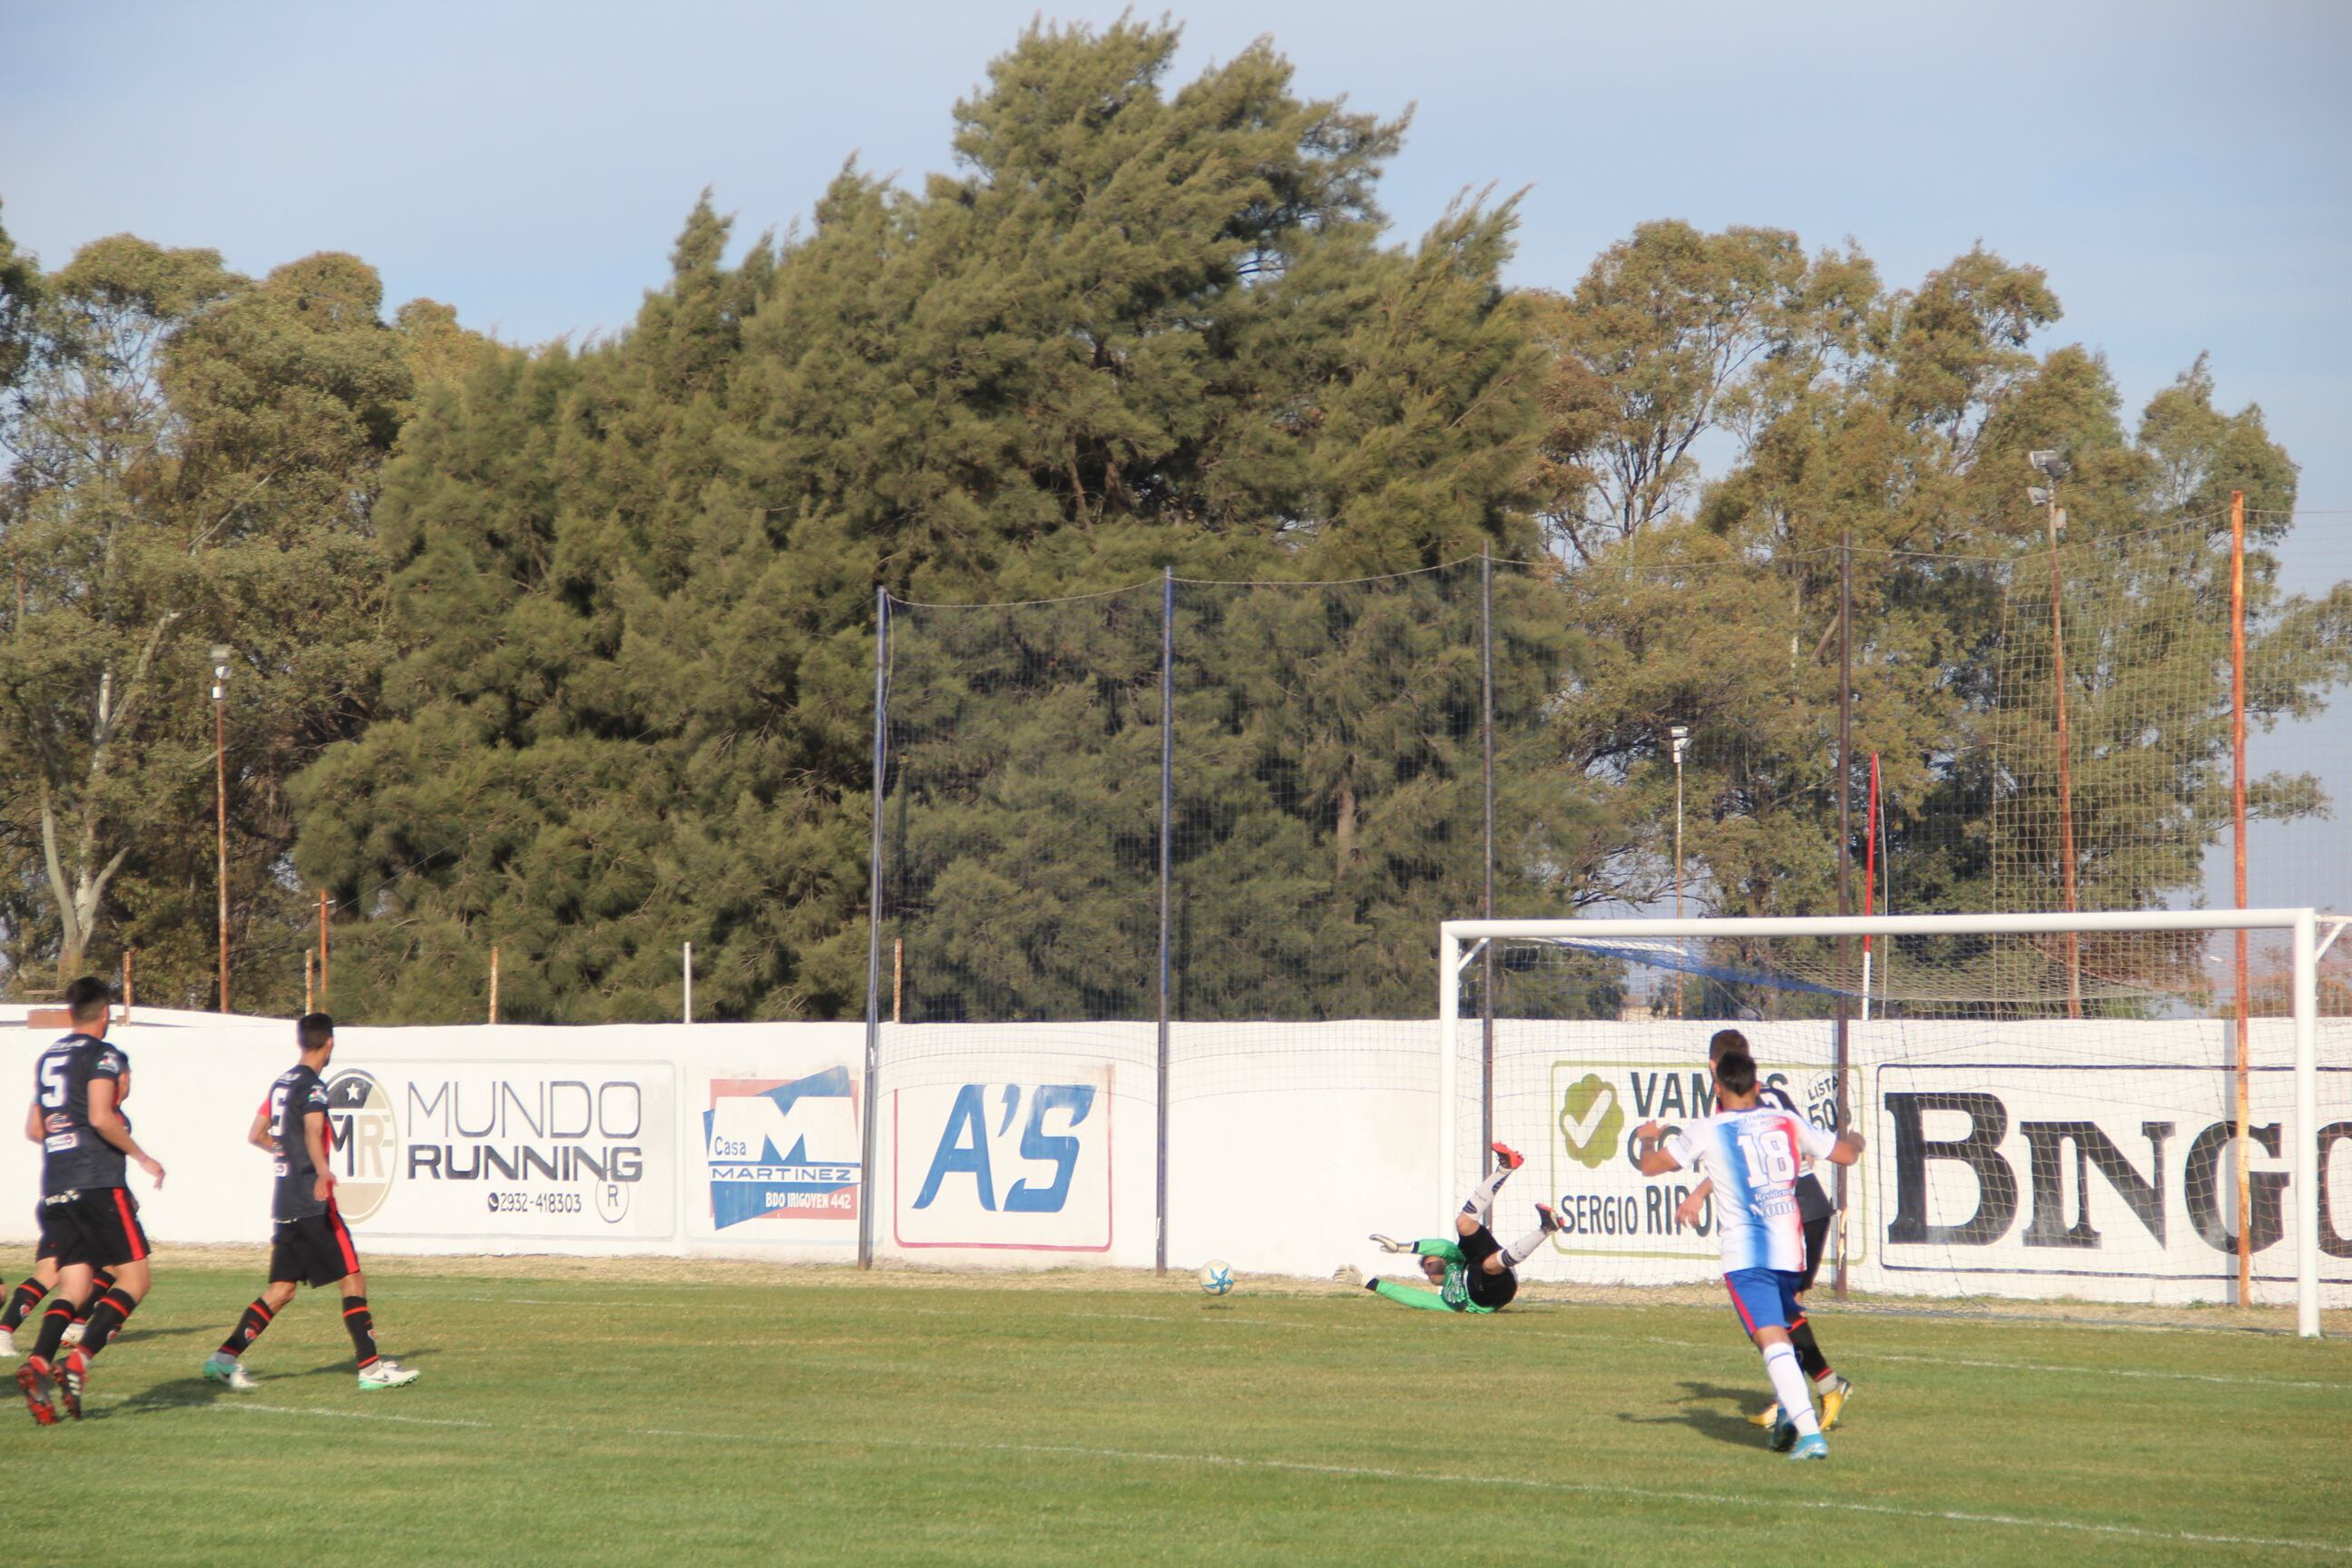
(1480, 1204)
(1519, 1251)
(26, 1297)
(102, 1280)
(1832, 1388)
(118, 1247)
(375, 1370)
(1765, 1300)
(36, 1378)
(224, 1365)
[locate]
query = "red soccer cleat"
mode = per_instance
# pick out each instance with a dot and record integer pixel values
(1511, 1158)
(33, 1377)
(69, 1379)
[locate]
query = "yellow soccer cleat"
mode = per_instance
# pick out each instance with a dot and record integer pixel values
(1768, 1415)
(1833, 1401)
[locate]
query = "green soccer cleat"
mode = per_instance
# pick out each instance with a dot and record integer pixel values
(1813, 1447)
(385, 1373)
(224, 1368)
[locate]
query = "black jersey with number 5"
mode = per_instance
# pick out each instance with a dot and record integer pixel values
(73, 1156)
(297, 1094)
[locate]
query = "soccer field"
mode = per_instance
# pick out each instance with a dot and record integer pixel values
(638, 1413)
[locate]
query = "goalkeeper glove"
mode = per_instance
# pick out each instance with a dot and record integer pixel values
(1391, 1244)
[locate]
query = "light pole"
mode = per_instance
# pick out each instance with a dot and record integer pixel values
(2051, 466)
(220, 801)
(1680, 736)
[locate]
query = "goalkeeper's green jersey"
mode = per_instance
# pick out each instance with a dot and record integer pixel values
(1453, 1296)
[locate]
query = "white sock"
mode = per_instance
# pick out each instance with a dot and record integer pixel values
(1482, 1199)
(1519, 1251)
(1788, 1382)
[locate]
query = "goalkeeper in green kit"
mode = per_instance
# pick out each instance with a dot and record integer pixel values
(1474, 1272)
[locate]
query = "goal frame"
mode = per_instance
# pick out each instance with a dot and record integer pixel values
(1459, 942)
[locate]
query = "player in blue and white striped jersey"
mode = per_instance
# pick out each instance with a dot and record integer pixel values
(1815, 1209)
(1753, 1153)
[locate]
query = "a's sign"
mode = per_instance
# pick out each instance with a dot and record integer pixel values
(1016, 1166)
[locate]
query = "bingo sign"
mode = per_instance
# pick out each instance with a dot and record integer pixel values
(782, 1157)
(1022, 1167)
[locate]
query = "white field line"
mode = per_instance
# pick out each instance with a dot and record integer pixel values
(1974, 1363)
(1865, 1358)
(1732, 1501)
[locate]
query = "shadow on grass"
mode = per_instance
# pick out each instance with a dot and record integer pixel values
(128, 1334)
(345, 1367)
(1710, 1409)
(180, 1395)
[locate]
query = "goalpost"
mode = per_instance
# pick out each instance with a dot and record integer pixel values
(2090, 1105)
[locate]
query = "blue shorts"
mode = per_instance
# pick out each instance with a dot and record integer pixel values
(1764, 1298)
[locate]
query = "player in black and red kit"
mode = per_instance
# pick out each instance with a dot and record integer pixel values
(86, 1213)
(313, 1244)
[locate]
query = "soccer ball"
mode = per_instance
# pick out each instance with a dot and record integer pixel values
(1216, 1278)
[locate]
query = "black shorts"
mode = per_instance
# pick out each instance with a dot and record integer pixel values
(1488, 1291)
(1817, 1236)
(96, 1226)
(313, 1250)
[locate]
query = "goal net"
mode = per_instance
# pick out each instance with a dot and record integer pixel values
(2051, 1102)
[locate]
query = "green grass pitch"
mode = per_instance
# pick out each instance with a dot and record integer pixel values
(576, 1414)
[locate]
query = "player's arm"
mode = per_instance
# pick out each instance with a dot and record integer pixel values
(1438, 1246)
(108, 1123)
(1688, 1211)
(1406, 1296)
(1649, 1142)
(258, 1133)
(314, 1137)
(1842, 1149)
(33, 1130)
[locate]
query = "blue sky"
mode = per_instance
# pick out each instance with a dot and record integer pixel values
(2181, 170)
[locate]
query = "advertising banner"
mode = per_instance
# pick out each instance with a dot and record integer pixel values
(2078, 1171)
(1011, 1166)
(777, 1158)
(1607, 1209)
(506, 1151)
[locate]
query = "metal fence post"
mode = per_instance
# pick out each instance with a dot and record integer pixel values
(1486, 903)
(1167, 850)
(874, 937)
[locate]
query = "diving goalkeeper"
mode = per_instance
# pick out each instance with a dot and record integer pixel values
(1474, 1272)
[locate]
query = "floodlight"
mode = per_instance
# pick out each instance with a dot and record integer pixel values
(2048, 462)
(2038, 494)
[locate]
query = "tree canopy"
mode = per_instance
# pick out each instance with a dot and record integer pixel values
(569, 650)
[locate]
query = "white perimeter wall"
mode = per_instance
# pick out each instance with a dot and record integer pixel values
(1029, 1145)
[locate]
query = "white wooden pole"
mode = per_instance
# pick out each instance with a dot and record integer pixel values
(1449, 1016)
(688, 960)
(2304, 1169)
